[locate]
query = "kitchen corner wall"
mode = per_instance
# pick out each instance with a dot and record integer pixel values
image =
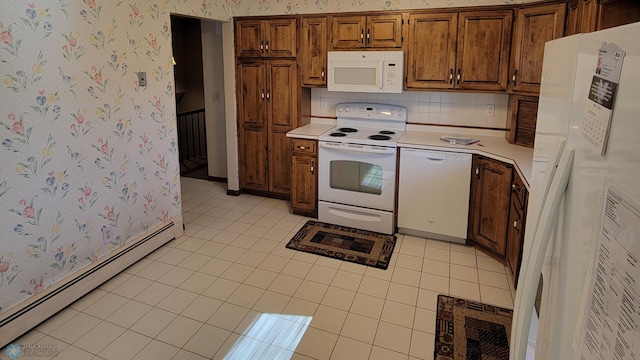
(479, 110)
(89, 159)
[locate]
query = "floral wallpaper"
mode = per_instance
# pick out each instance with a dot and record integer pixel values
(89, 159)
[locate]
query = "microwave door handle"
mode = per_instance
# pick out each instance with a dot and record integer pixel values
(381, 75)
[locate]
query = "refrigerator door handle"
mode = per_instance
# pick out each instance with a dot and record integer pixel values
(531, 266)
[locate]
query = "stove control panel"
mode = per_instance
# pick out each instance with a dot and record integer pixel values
(371, 111)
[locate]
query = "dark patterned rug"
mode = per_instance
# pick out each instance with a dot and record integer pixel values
(471, 330)
(344, 243)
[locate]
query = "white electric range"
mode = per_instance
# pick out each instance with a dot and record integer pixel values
(357, 166)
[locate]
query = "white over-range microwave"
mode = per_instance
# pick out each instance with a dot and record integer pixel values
(365, 71)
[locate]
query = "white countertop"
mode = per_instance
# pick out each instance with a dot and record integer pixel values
(492, 144)
(316, 128)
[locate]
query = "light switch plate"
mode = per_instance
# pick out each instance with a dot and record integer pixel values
(142, 78)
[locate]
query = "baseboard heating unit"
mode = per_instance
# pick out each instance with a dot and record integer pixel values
(31, 312)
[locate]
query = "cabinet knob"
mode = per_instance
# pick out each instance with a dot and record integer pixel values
(513, 186)
(301, 147)
(515, 224)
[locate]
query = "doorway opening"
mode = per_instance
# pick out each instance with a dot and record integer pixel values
(199, 80)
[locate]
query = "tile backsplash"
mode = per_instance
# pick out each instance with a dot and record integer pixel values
(481, 110)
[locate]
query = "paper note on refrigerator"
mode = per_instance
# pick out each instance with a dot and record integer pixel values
(612, 318)
(596, 120)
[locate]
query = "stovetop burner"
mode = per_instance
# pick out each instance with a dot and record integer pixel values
(347, 130)
(379, 137)
(337, 134)
(387, 132)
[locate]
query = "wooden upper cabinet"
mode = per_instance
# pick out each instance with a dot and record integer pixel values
(534, 26)
(431, 52)
(585, 16)
(313, 51)
(358, 32)
(266, 38)
(484, 39)
(282, 95)
(384, 31)
(572, 24)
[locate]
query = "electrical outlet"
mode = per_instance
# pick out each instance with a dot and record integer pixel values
(142, 78)
(490, 110)
(323, 102)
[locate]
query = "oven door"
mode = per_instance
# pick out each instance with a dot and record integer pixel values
(358, 175)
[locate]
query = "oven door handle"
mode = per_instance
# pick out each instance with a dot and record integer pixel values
(354, 214)
(360, 149)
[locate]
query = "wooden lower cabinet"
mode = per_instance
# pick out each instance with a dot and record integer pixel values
(517, 220)
(304, 177)
(490, 203)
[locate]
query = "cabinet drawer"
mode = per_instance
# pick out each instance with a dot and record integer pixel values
(304, 146)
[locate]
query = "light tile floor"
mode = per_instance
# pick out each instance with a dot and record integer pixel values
(229, 289)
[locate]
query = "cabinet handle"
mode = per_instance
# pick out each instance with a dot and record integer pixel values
(513, 186)
(368, 35)
(362, 35)
(266, 46)
(450, 76)
(313, 167)
(515, 224)
(323, 73)
(458, 77)
(478, 171)
(262, 46)
(268, 95)
(513, 78)
(301, 147)
(262, 94)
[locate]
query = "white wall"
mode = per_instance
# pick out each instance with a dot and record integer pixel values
(214, 102)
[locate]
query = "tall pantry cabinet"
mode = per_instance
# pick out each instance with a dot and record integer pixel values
(267, 87)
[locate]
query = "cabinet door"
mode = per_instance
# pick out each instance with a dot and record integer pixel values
(617, 12)
(303, 183)
(588, 10)
(249, 38)
(282, 105)
(279, 157)
(523, 111)
(313, 48)
(484, 39)
(384, 31)
(573, 23)
(431, 54)
(514, 241)
(280, 40)
(534, 26)
(347, 32)
(489, 215)
(252, 124)
(517, 219)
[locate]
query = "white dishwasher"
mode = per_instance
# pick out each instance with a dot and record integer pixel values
(433, 194)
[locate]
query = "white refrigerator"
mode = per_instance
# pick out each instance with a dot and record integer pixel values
(571, 170)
